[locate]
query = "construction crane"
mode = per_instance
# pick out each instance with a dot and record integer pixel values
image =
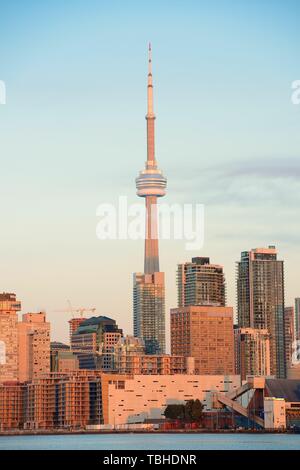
(73, 311)
(81, 310)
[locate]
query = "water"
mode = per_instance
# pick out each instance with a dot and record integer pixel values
(153, 442)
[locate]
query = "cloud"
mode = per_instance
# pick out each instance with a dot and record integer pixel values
(272, 169)
(241, 183)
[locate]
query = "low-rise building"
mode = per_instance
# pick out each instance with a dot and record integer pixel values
(134, 399)
(274, 413)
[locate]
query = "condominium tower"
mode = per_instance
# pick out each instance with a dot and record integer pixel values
(200, 283)
(149, 287)
(260, 300)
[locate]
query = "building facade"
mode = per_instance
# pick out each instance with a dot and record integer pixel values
(200, 283)
(252, 352)
(297, 318)
(274, 413)
(33, 346)
(206, 334)
(64, 361)
(136, 399)
(9, 357)
(94, 341)
(158, 364)
(86, 398)
(74, 323)
(149, 287)
(289, 335)
(260, 299)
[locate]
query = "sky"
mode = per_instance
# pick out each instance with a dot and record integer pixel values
(73, 136)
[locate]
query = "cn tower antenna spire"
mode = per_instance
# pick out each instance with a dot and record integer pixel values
(149, 59)
(150, 113)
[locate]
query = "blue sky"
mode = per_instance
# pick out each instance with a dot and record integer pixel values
(72, 135)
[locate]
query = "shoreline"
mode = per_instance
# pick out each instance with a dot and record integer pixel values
(138, 431)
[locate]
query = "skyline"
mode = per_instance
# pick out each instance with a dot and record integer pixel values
(50, 194)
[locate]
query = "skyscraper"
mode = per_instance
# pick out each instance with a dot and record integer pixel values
(200, 283)
(9, 306)
(260, 298)
(149, 287)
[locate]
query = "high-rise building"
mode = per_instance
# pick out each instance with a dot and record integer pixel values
(260, 298)
(149, 290)
(206, 334)
(297, 318)
(200, 283)
(93, 342)
(289, 334)
(252, 352)
(34, 346)
(9, 306)
(149, 309)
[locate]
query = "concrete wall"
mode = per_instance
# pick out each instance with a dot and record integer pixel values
(142, 397)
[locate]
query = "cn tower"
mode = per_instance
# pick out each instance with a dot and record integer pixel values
(149, 287)
(151, 184)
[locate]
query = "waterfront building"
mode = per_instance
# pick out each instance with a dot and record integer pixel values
(85, 399)
(260, 299)
(34, 346)
(9, 306)
(252, 352)
(134, 399)
(200, 283)
(149, 287)
(206, 334)
(274, 413)
(12, 405)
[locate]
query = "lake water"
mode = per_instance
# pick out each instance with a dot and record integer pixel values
(153, 442)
